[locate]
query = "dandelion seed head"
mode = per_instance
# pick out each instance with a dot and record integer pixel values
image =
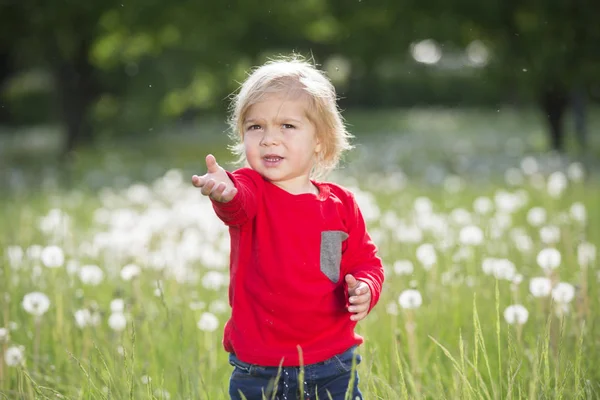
(410, 299)
(52, 257)
(14, 356)
(540, 286)
(391, 308)
(557, 183)
(426, 255)
(516, 314)
(130, 271)
(91, 275)
(423, 205)
(586, 254)
(82, 317)
(117, 321)
(36, 303)
(483, 205)
(578, 212)
(537, 216)
(550, 234)
(471, 235)
(403, 267)
(563, 293)
(15, 256)
(4, 335)
(549, 258)
(529, 165)
(117, 305)
(576, 172)
(208, 322)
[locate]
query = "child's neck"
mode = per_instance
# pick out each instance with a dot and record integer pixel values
(298, 187)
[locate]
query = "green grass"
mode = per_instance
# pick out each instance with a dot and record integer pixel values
(457, 344)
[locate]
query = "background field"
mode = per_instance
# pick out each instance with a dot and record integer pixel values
(421, 176)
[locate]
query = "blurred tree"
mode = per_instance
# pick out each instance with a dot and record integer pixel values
(142, 61)
(548, 50)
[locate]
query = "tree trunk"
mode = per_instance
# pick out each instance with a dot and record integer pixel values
(579, 114)
(6, 71)
(554, 101)
(77, 91)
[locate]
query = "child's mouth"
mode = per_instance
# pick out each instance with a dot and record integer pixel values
(272, 160)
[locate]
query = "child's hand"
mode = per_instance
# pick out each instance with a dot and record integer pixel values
(360, 298)
(215, 183)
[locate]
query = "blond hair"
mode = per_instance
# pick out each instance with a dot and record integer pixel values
(295, 75)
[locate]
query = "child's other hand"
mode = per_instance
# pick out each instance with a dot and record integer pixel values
(359, 298)
(215, 183)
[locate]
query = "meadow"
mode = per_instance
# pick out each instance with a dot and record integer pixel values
(114, 284)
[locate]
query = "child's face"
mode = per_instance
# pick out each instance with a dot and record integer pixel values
(281, 142)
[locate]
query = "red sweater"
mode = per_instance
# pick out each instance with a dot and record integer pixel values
(289, 256)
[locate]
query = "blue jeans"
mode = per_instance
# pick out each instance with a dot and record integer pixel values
(326, 380)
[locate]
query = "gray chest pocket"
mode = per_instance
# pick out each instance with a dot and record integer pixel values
(331, 253)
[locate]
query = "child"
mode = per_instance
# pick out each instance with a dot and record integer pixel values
(303, 268)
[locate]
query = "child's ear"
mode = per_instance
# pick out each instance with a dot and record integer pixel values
(318, 146)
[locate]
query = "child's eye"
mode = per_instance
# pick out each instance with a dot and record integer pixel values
(253, 127)
(288, 126)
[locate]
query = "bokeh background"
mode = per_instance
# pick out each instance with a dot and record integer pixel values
(476, 164)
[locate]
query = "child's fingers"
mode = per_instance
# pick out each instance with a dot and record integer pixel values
(198, 181)
(208, 187)
(218, 190)
(362, 299)
(359, 316)
(211, 164)
(228, 195)
(359, 308)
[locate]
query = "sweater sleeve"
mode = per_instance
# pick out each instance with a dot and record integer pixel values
(360, 257)
(242, 208)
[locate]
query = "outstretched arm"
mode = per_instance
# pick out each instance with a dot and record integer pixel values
(233, 195)
(215, 183)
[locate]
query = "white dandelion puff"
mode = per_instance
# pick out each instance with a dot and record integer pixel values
(403, 267)
(549, 258)
(36, 303)
(471, 235)
(423, 205)
(117, 306)
(557, 183)
(410, 299)
(214, 280)
(426, 255)
(578, 212)
(129, 272)
(576, 172)
(4, 335)
(483, 205)
(540, 286)
(550, 234)
(529, 165)
(14, 356)
(586, 254)
(391, 308)
(52, 257)
(208, 322)
(82, 317)
(15, 256)
(117, 321)
(563, 293)
(91, 275)
(218, 306)
(516, 314)
(536, 216)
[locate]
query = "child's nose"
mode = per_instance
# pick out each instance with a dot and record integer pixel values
(270, 137)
